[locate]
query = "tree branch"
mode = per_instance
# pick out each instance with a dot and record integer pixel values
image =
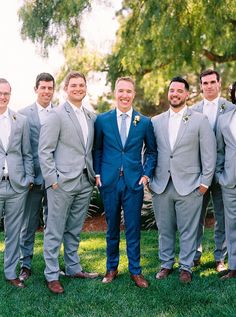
(219, 58)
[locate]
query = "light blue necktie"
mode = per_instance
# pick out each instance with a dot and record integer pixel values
(123, 133)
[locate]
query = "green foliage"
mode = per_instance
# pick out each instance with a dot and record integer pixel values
(45, 22)
(90, 298)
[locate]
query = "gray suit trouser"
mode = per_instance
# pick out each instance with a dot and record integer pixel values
(36, 199)
(220, 251)
(229, 199)
(174, 212)
(12, 204)
(66, 215)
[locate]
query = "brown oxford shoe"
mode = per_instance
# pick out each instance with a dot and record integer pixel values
(83, 274)
(163, 273)
(220, 266)
(139, 280)
(185, 277)
(55, 287)
(230, 274)
(109, 276)
(17, 283)
(24, 273)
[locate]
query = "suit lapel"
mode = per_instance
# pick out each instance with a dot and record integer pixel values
(115, 127)
(75, 122)
(165, 127)
(35, 115)
(13, 120)
(132, 127)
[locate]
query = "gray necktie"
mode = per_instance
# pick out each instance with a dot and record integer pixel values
(123, 133)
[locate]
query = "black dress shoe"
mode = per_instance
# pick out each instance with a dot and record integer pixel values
(24, 273)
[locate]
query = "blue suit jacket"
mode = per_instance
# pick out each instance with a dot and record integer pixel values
(110, 156)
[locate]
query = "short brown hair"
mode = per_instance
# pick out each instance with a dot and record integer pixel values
(125, 78)
(44, 77)
(4, 81)
(73, 74)
(209, 72)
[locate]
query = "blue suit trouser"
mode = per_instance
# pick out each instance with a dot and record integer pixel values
(130, 201)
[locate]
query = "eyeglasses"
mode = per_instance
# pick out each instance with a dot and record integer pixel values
(5, 94)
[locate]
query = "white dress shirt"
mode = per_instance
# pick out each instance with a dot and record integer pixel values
(210, 109)
(174, 124)
(5, 128)
(79, 112)
(43, 112)
(128, 119)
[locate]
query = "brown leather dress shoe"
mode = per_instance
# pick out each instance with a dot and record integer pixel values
(139, 280)
(230, 274)
(109, 276)
(220, 266)
(163, 273)
(55, 287)
(17, 283)
(24, 273)
(185, 276)
(83, 274)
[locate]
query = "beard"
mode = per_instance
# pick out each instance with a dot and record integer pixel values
(175, 105)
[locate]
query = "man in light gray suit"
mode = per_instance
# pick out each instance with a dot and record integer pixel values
(226, 176)
(65, 154)
(16, 177)
(37, 198)
(186, 155)
(213, 106)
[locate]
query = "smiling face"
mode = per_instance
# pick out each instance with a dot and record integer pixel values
(76, 90)
(177, 95)
(44, 92)
(124, 95)
(210, 86)
(5, 94)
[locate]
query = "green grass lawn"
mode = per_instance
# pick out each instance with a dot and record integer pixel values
(205, 296)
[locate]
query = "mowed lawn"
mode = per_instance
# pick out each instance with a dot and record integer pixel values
(207, 295)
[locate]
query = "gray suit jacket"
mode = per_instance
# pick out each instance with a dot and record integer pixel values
(226, 151)
(192, 160)
(223, 107)
(62, 152)
(18, 154)
(31, 112)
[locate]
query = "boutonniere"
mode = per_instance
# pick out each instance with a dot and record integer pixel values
(186, 118)
(136, 120)
(222, 108)
(14, 117)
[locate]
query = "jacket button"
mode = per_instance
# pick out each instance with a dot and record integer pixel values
(171, 156)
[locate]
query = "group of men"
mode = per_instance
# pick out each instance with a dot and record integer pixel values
(56, 155)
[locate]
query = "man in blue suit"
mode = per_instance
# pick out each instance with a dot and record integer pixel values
(121, 174)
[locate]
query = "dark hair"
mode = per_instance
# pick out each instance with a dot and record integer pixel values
(179, 79)
(232, 93)
(209, 72)
(73, 74)
(4, 81)
(44, 77)
(125, 78)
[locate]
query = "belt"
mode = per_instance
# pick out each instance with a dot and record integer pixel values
(5, 178)
(121, 173)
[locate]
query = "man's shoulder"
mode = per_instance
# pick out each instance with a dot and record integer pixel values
(160, 116)
(226, 105)
(27, 110)
(196, 105)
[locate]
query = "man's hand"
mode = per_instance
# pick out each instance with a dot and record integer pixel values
(98, 181)
(144, 180)
(55, 186)
(202, 189)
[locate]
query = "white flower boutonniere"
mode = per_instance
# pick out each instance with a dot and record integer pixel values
(136, 120)
(186, 117)
(222, 108)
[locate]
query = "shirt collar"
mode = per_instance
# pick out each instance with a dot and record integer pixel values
(179, 113)
(40, 108)
(76, 109)
(5, 114)
(214, 101)
(129, 113)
